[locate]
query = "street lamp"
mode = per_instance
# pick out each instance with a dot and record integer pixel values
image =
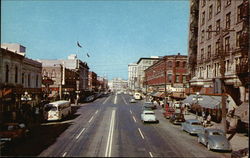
(197, 97)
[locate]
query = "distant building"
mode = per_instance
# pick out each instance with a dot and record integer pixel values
(143, 64)
(169, 71)
(118, 84)
(92, 81)
(132, 74)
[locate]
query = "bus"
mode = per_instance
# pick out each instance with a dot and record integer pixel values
(137, 96)
(57, 110)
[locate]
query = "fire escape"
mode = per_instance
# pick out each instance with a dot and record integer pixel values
(194, 10)
(242, 68)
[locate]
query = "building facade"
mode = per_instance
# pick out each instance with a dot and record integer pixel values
(169, 75)
(132, 73)
(118, 84)
(143, 64)
(20, 83)
(92, 81)
(218, 48)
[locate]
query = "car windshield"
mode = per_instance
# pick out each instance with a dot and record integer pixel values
(196, 123)
(50, 107)
(148, 104)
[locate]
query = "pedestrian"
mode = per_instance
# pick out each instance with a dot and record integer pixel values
(209, 119)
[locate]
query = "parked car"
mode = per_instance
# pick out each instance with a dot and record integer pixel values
(11, 131)
(148, 116)
(132, 100)
(177, 118)
(214, 139)
(149, 105)
(192, 126)
(169, 112)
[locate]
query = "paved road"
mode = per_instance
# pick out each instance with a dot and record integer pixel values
(111, 127)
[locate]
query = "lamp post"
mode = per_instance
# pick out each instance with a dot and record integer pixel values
(61, 79)
(197, 97)
(165, 80)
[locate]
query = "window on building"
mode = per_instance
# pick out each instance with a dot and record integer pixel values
(37, 80)
(53, 73)
(184, 79)
(202, 35)
(203, 3)
(209, 52)
(184, 64)
(228, 21)
(16, 74)
(22, 78)
(238, 34)
(170, 64)
(203, 18)
(177, 63)
(209, 34)
(210, 12)
(217, 47)
(202, 53)
(218, 26)
(227, 45)
(177, 78)
(228, 2)
(28, 80)
(7, 71)
(169, 77)
(218, 6)
(239, 12)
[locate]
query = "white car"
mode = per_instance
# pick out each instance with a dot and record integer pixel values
(148, 116)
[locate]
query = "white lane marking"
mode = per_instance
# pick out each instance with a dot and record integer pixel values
(91, 119)
(80, 133)
(141, 133)
(110, 136)
(151, 154)
(96, 112)
(134, 119)
(124, 100)
(64, 154)
(105, 100)
(130, 111)
(115, 101)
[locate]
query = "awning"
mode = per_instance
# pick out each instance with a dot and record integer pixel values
(212, 102)
(153, 93)
(243, 112)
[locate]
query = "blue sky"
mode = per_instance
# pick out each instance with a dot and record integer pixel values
(113, 33)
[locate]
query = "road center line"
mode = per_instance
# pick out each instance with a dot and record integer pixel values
(124, 100)
(105, 100)
(151, 154)
(134, 119)
(130, 111)
(64, 154)
(115, 101)
(110, 135)
(96, 112)
(91, 119)
(141, 133)
(80, 133)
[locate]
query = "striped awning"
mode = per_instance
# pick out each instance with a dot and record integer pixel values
(243, 112)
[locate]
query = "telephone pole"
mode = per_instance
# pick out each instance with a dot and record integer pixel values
(222, 54)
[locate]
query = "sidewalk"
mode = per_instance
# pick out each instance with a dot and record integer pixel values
(238, 142)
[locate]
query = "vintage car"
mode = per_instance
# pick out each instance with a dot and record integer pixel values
(132, 100)
(11, 131)
(214, 139)
(149, 105)
(192, 126)
(148, 116)
(177, 118)
(169, 112)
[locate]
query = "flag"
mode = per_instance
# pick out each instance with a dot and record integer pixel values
(79, 44)
(87, 55)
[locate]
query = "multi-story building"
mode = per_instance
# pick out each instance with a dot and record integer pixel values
(118, 84)
(93, 83)
(169, 75)
(132, 73)
(143, 64)
(102, 83)
(20, 82)
(218, 48)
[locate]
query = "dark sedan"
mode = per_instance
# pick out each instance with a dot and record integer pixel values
(177, 118)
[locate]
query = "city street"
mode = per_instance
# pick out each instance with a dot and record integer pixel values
(111, 126)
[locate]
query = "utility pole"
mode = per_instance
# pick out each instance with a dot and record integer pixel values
(165, 80)
(222, 54)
